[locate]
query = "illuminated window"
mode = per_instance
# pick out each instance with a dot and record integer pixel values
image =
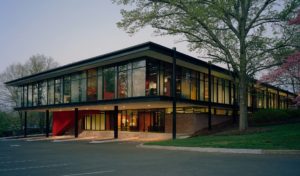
(67, 89)
(109, 83)
(92, 85)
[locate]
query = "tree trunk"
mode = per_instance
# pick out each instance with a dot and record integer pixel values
(243, 121)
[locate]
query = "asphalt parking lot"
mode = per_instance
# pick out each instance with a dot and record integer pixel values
(43, 158)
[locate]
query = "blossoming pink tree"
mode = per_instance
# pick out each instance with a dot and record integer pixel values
(288, 74)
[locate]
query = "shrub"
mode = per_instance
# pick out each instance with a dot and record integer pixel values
(264, 116)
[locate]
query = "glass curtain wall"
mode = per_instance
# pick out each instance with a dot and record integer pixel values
(185, 83)
(58, 88)
(92, 85)
(67, 89)
(146, 77)
(167, 79)
(109, 83)
(123, 81)
(138, 78)
(152, 71)
(50, 91)
(35, 94)
(25, 95)
(42, 93)
(100, 84)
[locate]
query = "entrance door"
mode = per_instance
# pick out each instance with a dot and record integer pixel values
(128, 120)
(157, 121)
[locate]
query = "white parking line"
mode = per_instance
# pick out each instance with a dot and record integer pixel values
(15, 145)
(90, 173)
(21, 161)
(34, 167)
(113, 140)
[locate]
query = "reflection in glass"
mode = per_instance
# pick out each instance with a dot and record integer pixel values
(67, 89)
(122, 82)
(25, 95)
(50, 92)
(151, 77)
(58, 91)
(92, 85)
(35, 94)
(109, 83)
(138, 82)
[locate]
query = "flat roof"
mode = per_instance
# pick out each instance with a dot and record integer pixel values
(133, 49)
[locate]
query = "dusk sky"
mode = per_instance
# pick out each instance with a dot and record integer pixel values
(67, 30)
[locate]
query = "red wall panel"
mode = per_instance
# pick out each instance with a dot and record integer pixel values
(64, 120)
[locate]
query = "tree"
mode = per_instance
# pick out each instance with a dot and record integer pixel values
(35, 64)
(244, 34)
(287, 74)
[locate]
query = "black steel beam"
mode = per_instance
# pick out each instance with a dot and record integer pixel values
(116, 111)
(278, 100)
(209, 96)
(25, 123)
(174, 94)
(47, 123)
(76, 123)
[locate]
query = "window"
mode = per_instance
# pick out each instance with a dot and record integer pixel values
(42, 93)
(100, 87)
(95, 122)
(25, 95)
(92, 85)
(75, 84)
(67, 89)
(206, 87)
(35, 94)
(185, 84)
(227, 88)
(167, 79)
(194, 85)
(58, 91)
(50, 92)
(138, 81)
(123, 81)
(201, 89)
(82, 87)
(151, 77)
(109, 83)
(19, 96)
(214, 89)
(220, 90)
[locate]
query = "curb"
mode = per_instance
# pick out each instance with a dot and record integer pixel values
(221, 150)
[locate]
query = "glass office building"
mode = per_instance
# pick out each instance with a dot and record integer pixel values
(132, 90)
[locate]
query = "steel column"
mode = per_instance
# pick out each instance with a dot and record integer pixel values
(278, 100)
(116, 111)
(174, 94)
(47, 123)
(25, 123)
(76, 123)
(209, 96)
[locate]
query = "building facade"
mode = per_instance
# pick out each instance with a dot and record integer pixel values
(137, 89)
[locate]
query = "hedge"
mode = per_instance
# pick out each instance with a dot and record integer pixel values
(274, 116)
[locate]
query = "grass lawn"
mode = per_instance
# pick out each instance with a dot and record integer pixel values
(285, 136)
